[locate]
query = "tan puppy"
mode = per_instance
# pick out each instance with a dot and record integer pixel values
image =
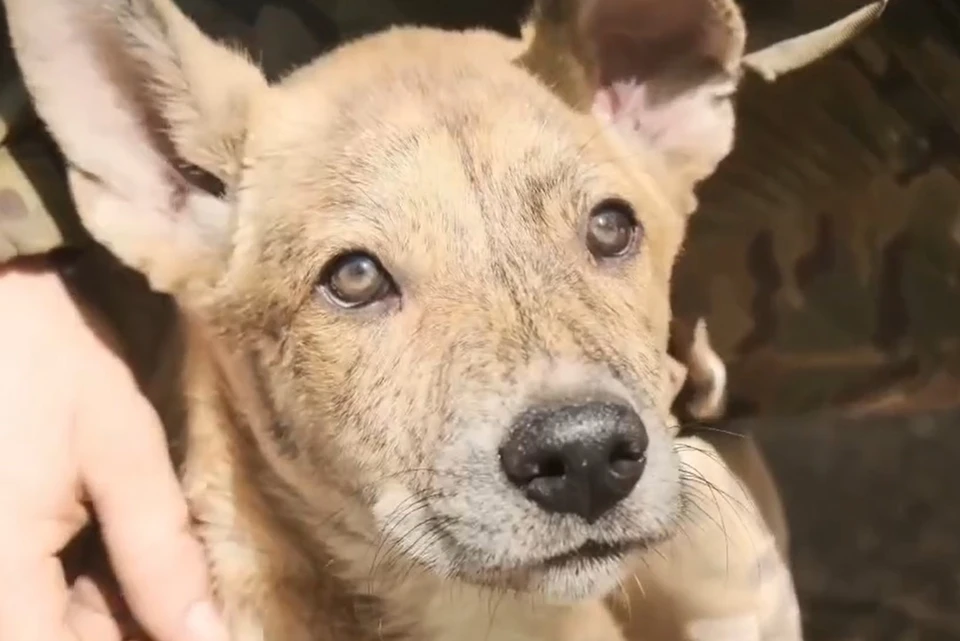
(423, 286)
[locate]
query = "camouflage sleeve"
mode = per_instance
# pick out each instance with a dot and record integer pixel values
(36, 214)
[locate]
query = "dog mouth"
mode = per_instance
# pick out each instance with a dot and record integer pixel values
(582, 572)
(583, 569)
(591, 552)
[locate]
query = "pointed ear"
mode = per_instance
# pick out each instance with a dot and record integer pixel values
(661, 72)
(785, 50)
(151, 116)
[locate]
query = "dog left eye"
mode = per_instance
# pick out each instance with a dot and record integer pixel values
(612, 229)
(356, 280)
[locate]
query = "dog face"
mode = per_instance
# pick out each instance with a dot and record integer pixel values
(444, 258)
(479, 311)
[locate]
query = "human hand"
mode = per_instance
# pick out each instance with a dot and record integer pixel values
(75, 431)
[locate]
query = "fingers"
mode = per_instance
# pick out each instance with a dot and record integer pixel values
(143, 515)
(33, 598)
(89, 615)
(39, 514)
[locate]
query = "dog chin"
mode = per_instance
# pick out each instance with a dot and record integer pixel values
(578, 580)
(592, 571)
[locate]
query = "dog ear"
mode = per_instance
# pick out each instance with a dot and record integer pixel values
(783, 49)
(151, 116)
(661, 72)
(664, 71)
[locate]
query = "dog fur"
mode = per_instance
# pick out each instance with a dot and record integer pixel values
(342, 464)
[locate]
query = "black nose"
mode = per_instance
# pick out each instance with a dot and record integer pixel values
(576, 459)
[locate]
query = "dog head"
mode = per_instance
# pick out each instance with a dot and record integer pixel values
(444, 257)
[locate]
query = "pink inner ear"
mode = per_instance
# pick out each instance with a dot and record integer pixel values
(696, 125)
(660, 65)
(627, 105)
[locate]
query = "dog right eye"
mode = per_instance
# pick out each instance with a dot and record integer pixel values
(612, 229)
(356, 280)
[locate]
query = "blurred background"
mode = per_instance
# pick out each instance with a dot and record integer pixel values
(874, 510)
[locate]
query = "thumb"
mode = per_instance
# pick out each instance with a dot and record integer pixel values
(144, 517)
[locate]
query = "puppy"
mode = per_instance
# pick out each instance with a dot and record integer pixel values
(417, 385)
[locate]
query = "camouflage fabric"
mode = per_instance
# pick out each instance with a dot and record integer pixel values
(825, 255)
(35, 210)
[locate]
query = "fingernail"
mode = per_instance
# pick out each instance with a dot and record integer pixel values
(204, 624)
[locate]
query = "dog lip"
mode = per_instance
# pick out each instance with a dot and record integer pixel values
(592, 550)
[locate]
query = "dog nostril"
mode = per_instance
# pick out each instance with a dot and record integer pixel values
(626, 459)
(552, 466)
(627, 451)
(523, 470)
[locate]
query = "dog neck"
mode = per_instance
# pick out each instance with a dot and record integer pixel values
(280, 577)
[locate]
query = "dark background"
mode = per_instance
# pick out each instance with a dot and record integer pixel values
(874, 509)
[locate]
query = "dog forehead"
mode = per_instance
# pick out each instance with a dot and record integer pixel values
(395, 119)
(403, 80)
(431, 138)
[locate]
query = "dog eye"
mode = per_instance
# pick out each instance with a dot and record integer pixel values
(612, 229)
(356, 280)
